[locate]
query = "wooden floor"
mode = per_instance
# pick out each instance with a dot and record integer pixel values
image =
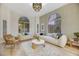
(72, 49)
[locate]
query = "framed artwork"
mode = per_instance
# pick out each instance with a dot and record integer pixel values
(42, 27)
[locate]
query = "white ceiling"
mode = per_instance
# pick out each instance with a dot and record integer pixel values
(26, 9)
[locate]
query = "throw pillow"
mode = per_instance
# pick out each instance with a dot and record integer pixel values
(59, 35)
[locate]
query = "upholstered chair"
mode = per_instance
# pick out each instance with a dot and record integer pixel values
(9, 40)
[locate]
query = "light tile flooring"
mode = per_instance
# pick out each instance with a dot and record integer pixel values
(25, 49)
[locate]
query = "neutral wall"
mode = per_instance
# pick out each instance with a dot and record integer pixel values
(0, 22)
(32, 25)
(14, 18)
(12, 21)
(69, 19)
(4, 15)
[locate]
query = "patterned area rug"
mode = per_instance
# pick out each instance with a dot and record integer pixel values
(25, 49)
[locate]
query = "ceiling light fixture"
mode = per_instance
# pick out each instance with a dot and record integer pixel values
(37, 6)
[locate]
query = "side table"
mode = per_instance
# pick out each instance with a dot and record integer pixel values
(74, 43)
(36, 43)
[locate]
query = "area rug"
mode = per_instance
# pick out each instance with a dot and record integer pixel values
(25, 49)
(48, 50)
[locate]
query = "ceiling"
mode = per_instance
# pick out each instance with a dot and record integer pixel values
(26, 9)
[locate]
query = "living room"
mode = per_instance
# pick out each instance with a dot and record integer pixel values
(27, 22)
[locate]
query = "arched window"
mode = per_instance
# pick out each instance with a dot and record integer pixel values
(54, 23)
(24, 25)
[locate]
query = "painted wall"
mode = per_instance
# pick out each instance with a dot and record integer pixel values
(69, 19)
(32, 25)
(12, 21)
(0, 21)
(14, 18)
(4, 15)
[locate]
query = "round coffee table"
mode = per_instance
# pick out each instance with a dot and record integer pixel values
(36, 43)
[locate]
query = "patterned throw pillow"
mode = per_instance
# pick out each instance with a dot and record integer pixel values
(59, 35)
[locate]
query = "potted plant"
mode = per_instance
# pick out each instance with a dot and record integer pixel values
(36, 37)
(77, 35)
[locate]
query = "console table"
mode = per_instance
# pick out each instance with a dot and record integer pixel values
(74, 43)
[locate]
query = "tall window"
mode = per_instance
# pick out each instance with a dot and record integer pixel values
(24, 25)
(54, 23)
(4, 27)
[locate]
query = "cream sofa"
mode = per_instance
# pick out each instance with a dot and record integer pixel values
(59, 42)
(25, 37)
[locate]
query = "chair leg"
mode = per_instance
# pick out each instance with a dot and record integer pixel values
(4, 45)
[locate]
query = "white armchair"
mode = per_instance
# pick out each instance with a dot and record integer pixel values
(25, 37)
